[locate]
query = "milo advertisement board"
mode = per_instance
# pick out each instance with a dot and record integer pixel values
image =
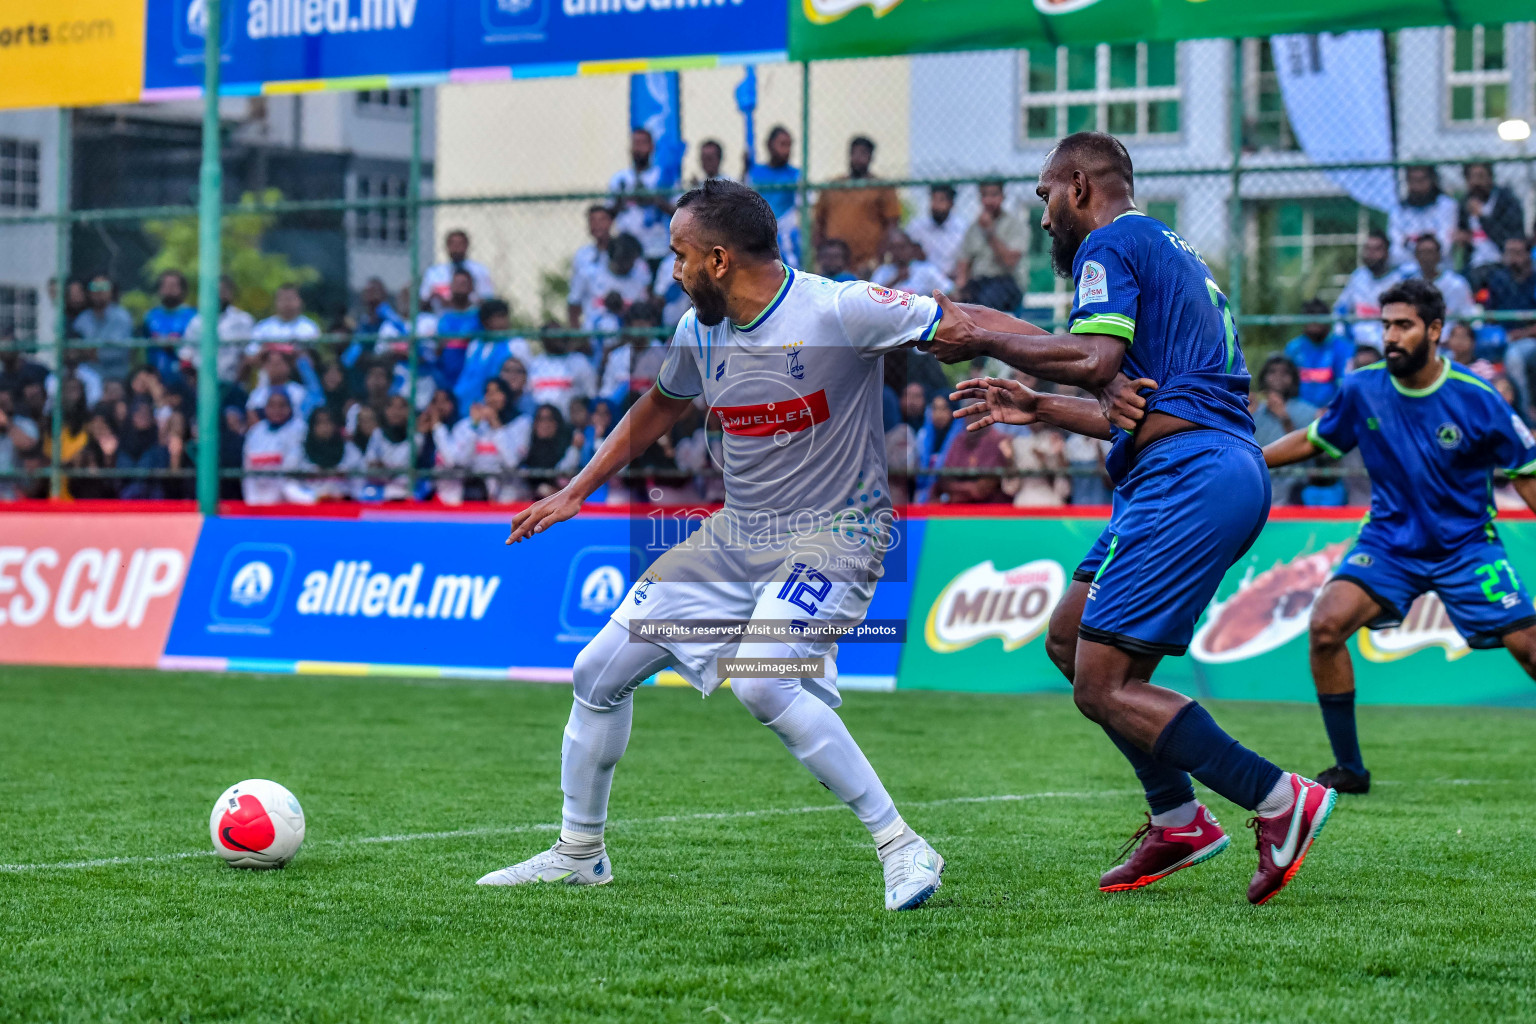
(985, 589)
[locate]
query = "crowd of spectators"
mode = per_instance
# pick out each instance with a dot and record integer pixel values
(311, 412)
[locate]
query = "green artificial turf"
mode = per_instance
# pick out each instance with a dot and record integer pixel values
(742, 892)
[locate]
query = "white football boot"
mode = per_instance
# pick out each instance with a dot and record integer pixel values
(912, 875)
(557, 867)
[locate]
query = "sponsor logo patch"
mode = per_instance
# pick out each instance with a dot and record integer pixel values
(1521, 430)
(1449, 436)
(769, 418)
(1361, 559)
(883, 295)
(1092, 284)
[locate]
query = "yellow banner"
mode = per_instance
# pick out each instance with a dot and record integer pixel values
(70, 53)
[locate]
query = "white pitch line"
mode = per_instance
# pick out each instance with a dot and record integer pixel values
(507, 830)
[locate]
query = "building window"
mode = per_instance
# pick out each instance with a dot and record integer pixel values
(1478, 77)
(19, 174)
(1265, 126)
(383, 225)
(1314, 243)
(1128, 89)
(18, 312)
(370, 100)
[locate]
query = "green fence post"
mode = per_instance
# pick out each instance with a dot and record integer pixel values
(413, 234)
(1236, 247)
(61, 275)
(209, 240)
(807, 243)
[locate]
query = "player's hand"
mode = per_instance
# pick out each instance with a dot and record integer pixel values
(996, 400)
(543, 514)
(958, 337)
(1122, 405)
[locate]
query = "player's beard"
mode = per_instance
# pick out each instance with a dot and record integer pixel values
(1403, 363)
(1065, 240)
(708, 301)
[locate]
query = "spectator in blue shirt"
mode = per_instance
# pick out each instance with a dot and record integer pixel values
(1321, 357)
(783, 200)
(457, 324)
(108, 326)
(485, 356)
(168, 321)
(832, 259)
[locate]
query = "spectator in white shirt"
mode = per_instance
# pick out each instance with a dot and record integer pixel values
(488, 443)
(648, 218)
(621, 274)
(906, 271)
(390, 448)
(325, 449)
(275, 443)
(1424, 210)
(1458, 294)
(277, 376)
(589, 260)
(285, 326)
(1360, 298)
(437, 282)
(937, 231)
(235, 325)
(559, 373)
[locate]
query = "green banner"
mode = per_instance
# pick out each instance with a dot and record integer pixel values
(822, 29)
(985, 589)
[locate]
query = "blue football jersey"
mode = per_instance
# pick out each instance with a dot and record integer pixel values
(1138, 280)
(1431, 454)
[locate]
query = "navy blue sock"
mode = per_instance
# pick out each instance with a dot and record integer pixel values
(1166, 787)
(1339, 720)
(1195, 743)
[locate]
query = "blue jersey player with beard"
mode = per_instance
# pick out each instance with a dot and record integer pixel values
(1432, 436)
(1191, 495)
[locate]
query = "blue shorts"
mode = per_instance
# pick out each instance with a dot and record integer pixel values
(1191, 506)
(1477, 584)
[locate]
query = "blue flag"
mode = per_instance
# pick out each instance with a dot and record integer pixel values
(655, 104)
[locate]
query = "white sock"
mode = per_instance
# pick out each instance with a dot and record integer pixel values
(820, 741)
(1280, 799)
(594, 742)
(1178, 817)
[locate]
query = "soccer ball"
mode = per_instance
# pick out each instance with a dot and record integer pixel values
(256, 824)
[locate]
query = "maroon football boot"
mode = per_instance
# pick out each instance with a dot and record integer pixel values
(1164, 850)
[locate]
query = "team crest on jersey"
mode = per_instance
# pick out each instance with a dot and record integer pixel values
(1521, 431)
(643, 588)
(1093, 284)
(1449, 436)
(883, 295)
(1361, 559)
(796, 369)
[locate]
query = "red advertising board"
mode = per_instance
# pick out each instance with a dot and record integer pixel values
(80, 589)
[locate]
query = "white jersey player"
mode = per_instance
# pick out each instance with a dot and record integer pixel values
(791, 363)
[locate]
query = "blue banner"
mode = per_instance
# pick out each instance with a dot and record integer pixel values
(422, 41)
(305, 595)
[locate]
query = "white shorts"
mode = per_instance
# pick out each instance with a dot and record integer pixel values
(705, 578)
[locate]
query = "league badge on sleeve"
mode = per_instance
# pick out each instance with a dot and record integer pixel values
(1093, 284)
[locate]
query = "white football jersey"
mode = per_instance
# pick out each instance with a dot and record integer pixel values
(798, 393)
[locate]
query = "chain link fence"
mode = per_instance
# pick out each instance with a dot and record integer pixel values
(362, 200)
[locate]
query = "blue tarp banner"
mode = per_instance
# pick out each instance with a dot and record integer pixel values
(315, 595)
(420, 41)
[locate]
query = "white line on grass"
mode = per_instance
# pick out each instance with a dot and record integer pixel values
(507, 830)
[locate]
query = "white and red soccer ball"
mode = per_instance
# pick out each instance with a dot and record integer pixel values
(256, 824)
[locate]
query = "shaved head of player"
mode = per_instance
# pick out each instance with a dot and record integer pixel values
(789, 365)
(1086, 181)
(726, 240)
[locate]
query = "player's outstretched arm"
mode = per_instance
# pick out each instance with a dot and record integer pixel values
(998, 400)
(1293, 447)
(652, 415)
(1085, 360)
